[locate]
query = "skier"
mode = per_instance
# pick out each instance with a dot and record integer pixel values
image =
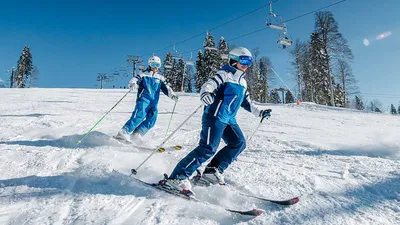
(222, 95)
(148, 83)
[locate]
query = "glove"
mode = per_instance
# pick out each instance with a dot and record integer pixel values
(265, 113)
(133, 84)
(175, 98)
(207, 98)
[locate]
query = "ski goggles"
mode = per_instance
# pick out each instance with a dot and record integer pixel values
(155, 65)
(244, 59)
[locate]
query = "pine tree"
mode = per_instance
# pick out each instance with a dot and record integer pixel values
(189, 79)
(200, 74)
(180, 75)
(289, 97)
(333, 45)
(223, 51)
(308, 80)
(393, 109)
(319, 71)
(211, 58)
(177, 74)
(398, 109)
(167, 71)
(359, 103)
(339, 96)
(24, 68)
(274, 97)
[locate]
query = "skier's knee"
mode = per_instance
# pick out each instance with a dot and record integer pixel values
(242, 143)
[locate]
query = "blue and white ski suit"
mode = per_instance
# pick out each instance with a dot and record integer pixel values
(144, 115)
(219, 121)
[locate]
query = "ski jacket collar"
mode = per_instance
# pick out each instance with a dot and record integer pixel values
(237, 74)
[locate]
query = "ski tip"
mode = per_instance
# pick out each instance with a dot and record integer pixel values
(257, 212)
(294, 201)
(253, 212)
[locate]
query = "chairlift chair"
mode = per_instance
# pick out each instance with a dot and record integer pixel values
(274, 21)
(284, 42)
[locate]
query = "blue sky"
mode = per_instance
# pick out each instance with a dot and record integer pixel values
(72, 41)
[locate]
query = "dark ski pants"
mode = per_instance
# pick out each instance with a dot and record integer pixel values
(212, 132)
(143, 118)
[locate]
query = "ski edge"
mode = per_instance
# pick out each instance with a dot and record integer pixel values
(291, 201)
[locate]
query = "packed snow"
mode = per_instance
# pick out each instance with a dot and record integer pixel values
(343, 164)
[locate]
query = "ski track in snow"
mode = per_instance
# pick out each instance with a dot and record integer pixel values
(343, 164)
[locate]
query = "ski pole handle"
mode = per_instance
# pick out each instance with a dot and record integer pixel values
(87, 133)
(267, 110)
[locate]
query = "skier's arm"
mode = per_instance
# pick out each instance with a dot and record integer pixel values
(136, 79)
(249, 105)
(214, 82)
(167, 90)
(209, 87)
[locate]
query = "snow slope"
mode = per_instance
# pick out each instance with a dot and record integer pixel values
(343, 164)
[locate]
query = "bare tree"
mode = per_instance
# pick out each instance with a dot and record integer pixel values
(267, 77)
(34, 78)
(299, 54)
(347, 80)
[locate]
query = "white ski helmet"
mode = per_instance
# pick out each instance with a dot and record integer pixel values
(154, 61)
(240, 54)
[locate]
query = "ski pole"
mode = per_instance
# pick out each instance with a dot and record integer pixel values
(87, 133)
(166, 132)
(170, 119)
(255, 130)
(134, 171)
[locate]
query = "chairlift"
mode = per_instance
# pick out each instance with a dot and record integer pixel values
(190, 62)
(275, 21)
(210, 48)
(284, 42)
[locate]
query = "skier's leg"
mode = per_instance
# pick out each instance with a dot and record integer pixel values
(149, 122)
(236, 143)
(138, 115)
(210, 138)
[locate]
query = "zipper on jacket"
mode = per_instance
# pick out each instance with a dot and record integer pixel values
(140, 95)
(229, 106)
(216, 111)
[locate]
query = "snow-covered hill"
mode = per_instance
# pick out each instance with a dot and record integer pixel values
(343, 164)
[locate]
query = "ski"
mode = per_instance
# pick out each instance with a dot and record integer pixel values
(197, 180)
(291, 201)
(159, 186)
